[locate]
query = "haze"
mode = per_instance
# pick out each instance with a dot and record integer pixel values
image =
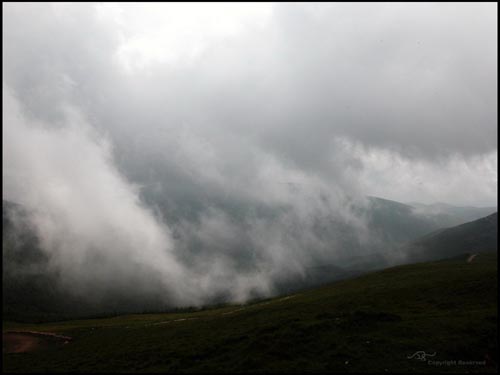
(188, 151)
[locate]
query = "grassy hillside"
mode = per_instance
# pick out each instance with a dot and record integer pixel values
(368, 324)
(476, 236)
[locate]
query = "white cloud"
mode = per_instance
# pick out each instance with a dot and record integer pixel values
(249, 127)
(168, 33)
(453, 179)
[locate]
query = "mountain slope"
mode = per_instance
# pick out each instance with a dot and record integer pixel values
(473, 237)
(31, 291)
(398, 222)
(447, 215)
(395, 222)
(373, 323)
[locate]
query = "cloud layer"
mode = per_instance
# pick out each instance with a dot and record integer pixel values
(189, 148)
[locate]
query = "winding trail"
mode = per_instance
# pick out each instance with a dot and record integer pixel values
(28, 341)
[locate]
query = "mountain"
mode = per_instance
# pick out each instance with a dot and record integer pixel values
(446, 215)
(401, 234)
(398, 222)
(469, 238)
(31, 290)
(395, 222)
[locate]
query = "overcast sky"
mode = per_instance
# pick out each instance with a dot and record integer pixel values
(117, 116)
(404, 94)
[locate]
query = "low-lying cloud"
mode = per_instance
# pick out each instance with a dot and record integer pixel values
(191, 163)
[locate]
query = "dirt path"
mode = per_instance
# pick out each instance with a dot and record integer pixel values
(471, 258)
(28, 341)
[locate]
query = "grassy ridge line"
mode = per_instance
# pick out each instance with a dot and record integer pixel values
(368, 324)
(139, 320)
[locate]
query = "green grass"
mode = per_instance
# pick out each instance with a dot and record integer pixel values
(368, 324)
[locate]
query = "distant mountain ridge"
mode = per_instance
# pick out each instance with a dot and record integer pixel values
(448, 215)
(396, 229)
(399, 222)
(473, 237)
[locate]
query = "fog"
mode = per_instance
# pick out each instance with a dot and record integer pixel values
(187, 153)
